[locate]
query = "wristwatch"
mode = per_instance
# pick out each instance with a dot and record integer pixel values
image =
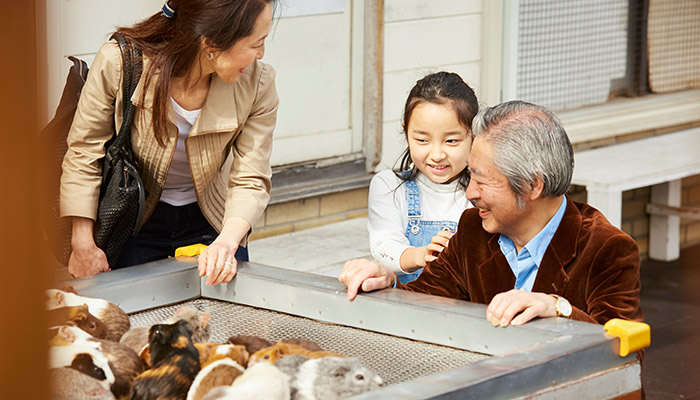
(562, 306)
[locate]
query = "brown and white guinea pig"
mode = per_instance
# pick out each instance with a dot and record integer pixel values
(84, 358)
(137, 338)
(69, 384)
(175, 363)
(218, 373)
(211, 352)
(263, 381)
(78, 316)
(124, 362)
(333, 378)
(281, 349)
(114, 317)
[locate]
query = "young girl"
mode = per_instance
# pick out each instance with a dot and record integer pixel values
(414, 211)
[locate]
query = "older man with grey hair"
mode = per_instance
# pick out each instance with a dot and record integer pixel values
(525, 249)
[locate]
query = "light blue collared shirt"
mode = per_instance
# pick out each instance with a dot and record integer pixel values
(526, 263)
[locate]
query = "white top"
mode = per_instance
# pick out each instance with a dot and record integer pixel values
(179, 189)
(388, 212)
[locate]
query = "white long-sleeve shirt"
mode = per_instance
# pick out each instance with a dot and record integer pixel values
(388, 212)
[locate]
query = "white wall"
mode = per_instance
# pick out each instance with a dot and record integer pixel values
(319, 64)
(421, 37)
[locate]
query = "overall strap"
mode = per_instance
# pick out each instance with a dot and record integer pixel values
(413, 199)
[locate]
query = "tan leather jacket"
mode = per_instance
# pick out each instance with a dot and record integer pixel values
(228, 147)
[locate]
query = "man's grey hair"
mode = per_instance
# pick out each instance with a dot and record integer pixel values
(528, 142)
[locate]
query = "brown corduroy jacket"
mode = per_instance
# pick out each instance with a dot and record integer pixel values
(228, 147)
(589, 262)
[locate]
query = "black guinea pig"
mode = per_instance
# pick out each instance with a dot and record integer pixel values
(174, 360)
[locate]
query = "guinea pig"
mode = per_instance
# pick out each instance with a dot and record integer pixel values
(289, 365)
(69, 384)
(210, 352)
(334, 378)
(218, 373)
(281, 349)
(124, 362)
(84, 358)
(137, 338)
(114, 317)
(305, 343)
(263, 381)
(78, 316)
(252, 343)
(175, 363)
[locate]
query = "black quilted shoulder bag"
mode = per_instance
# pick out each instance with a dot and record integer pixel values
(122, 195)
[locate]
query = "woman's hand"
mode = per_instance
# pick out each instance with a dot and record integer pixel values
(86, 258)
(218, 261)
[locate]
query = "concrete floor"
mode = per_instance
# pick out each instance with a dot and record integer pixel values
(670, 298)
(671, 305)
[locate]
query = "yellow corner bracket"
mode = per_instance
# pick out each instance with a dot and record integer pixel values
(633, 335)
(191, 250)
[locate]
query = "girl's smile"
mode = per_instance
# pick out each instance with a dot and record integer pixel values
(439, 145)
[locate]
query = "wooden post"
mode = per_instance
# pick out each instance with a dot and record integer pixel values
(373, 82)
(664, 230)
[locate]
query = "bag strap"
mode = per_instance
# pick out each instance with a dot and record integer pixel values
(132, 65)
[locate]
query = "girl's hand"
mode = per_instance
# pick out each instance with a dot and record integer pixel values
(437, 244)
(217, 262)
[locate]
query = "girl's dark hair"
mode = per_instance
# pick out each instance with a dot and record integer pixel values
(173, 44)
(438, 88)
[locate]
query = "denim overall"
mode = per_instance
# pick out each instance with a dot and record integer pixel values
(419, 232)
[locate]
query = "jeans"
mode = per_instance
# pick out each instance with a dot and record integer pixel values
(168, 228)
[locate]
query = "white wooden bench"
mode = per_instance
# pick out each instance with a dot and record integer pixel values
(658, 161)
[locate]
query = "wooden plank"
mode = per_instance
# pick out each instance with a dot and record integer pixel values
(639, 163)
(631, 116)
(682, 212)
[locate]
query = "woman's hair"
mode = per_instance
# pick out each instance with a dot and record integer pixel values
(173, 44)
(528, 142)
(438, 88)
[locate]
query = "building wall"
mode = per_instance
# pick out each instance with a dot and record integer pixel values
(311, 212)
(421, 37)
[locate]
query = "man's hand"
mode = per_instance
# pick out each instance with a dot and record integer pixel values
(437, 245)
(516, 307)
(366, 275)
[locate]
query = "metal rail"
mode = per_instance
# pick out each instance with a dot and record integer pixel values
(540, 357)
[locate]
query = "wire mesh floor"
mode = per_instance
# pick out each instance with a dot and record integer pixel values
(394, 359)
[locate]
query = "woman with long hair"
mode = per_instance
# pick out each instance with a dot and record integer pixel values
(202, 135)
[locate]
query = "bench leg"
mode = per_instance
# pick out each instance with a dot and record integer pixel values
(607, 202)
(664, 230)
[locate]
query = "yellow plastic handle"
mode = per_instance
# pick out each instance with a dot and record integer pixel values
(633, 335)
(191, 250)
